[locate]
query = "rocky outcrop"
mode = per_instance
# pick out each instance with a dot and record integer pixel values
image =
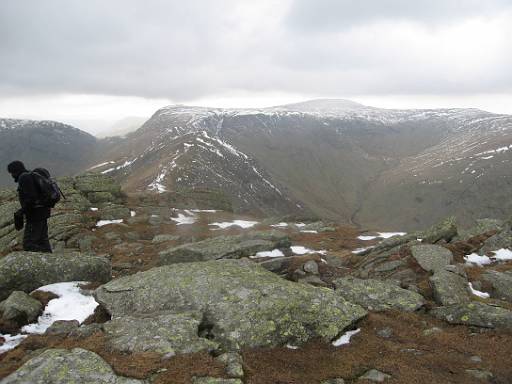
(449, 288)
(502, 239)
(225, 247)
(475, 314)
(242, 304)
(165, 333)
(60, 366)
(20, 308)
(501, 283)
(444, 230)
(376, 295)
(431, 257)
(26, 271)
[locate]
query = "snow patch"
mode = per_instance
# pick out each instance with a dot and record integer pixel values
(11, 342)
(361, 250)
(187, 218)
(300, 250)
(345, 338)
(101, 223)
(502, 254)
(273, 253)
(94, 209)
(238, 223)
(279, 225)
(475, 292)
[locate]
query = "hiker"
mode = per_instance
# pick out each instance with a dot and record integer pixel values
(35, 237)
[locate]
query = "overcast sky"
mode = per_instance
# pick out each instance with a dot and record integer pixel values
(94, 62)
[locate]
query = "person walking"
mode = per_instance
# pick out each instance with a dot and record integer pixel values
(35, 237)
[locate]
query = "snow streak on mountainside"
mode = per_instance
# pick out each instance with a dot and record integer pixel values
(336, 158)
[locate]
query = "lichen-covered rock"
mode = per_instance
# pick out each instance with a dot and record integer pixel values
(242, 304)
(501, 283)
(374, 376)
(444, 230)
(163, 238)
(60, 366)
(449, 288)
(432, 257)
(482, 226)
(114, 212)
(502, 239)
(165, 333)
(225, 247)
(26, 271)
(388, 244)
(20, 307)
(234, 364)
(476, 314)
(376, 295)
(97, 182)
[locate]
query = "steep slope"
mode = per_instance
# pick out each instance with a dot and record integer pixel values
(63, 149)
(339, 159)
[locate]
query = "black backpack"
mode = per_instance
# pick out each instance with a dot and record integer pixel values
(49, 191)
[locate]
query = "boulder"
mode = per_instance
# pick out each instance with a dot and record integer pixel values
(502, 239)
(376, 295)
(444, 230)
(234, 364)
(163, 238)
(482, 226)
(225, 247)
(449, 288)
(165, 333)
(242, 304)
(374, 376)
(501, 283)
(114, 212)
(432, 257)
(476, 314)
(26, 271)
(97, 182)
(61, 366)
(20, 307)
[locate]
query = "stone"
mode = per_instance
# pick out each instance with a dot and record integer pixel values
(337, 380)
(389, 266)
(449, 288)
(375, 376)
(480, 374)
(114, 212)
(502, 239)
(234, 364)
(311, 267)
(20, 308)
(60, 366)
(475, 359)
(432, 331)
(482, 226)
(86, 330)
(100, 197)
(385, 333)
(241, 304)
(214, 380)
(225, 247)
(174, 333)
(26, 271)
(432, 257)
(163, 238)
(313, 280)
(62, 327)
(501, 283)
(376, 295)
(444, 230)
(475, 314)
(97, 182)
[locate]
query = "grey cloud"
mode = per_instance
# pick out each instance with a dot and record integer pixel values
(184, 50)
(332, 15)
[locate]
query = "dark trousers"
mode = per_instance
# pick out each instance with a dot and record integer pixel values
(35, 237)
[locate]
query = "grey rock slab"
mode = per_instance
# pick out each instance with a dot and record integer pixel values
(376, 295)
(234, 364)
(164, 333)
(337, 380)
(475, 314)
(311, 267)
(375, 376)
(26, 271)
(225, 247)
(60, 366)
(444, 230)
(501, 283)
(389, 266)
(163, 238)
(62, 327)
(502, 239)
(243, 304)
(432, 257)
(20, 307)
(449, 288)
(480, 374)
(215, 380)
(482, 226)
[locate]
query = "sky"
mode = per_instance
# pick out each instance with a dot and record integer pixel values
(92, 63)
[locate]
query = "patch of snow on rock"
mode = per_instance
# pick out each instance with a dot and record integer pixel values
(10, 342)
(279, 225)
(366, 238)
(477, 259)
(273, 253)
(238, 223)
(387, 235)
(300, 250)
(502, 254)
(71, 304)
(101, 223)
(345, 338)
(187, 218)
(478, 293)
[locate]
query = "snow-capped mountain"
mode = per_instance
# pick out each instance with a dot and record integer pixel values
(61, 148)
(397, 169)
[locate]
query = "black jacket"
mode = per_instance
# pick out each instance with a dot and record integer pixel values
(28, 194)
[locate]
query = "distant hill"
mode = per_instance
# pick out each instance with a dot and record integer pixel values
(123, 126)
(61, 148)
(382, 168)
